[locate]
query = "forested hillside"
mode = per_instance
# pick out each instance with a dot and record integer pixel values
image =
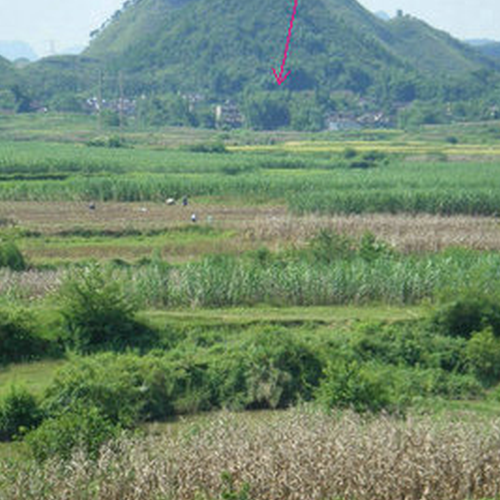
(225, 47)
(344, 57)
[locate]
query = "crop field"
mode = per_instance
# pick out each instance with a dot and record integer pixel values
(298, 456)
(319, 319)
(332, 178)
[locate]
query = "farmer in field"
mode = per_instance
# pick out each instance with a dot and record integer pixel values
(193, 218)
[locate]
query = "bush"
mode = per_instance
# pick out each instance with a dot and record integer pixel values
(270, 370)
(329, 246)
(415, 384)
(18, 341)
(110, 118)
(99, 315)
(207, 147)
(19, 412)
(370, 248)
(467, 314)
(410, 344)
(113, 142)
(369, 159)
(11, 256)
(483, 355)
(347, 384)
(83, 429)
(349, 153)
(125, 388)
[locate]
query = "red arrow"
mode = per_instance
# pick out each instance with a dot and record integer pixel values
(280, 78)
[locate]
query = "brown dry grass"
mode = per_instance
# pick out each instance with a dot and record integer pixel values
(29, 285)
(53, 217)
(298, 456)
(253, 226)
(421, 233)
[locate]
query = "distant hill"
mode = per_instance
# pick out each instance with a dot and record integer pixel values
(227, 46)
(60, 76)
(432, 50)
(14, 50)
(489, 48)
(478, 42)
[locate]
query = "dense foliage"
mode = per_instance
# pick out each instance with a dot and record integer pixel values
(98, 313)
(163, 53)
(230, 46)
(367, 367)
(18, 338)
(11, 257)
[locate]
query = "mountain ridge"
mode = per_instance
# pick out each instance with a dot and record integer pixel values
(227, 46)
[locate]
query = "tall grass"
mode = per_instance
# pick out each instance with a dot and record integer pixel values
(307, 181)
(294, 457)
(231, 282)
(228, 281)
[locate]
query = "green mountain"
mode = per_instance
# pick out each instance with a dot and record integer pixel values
(224, 46)
(489, 48)
(227, 46)
(431, 50)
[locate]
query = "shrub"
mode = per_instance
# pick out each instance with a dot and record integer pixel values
(329, 246)
(18, 341)
(347, 384)
(415, 384)
(270, 370)
(98, 314)
(112, 142)
(230, 491)
(349, 153)
(83, 429)
(369, 159)
(467, 314)
(409, 344)
(11, 256)
(193, 390)
(370, 248)
(19, 412)
(207, 147)
(483, 355)
(125, 388)
(110, 118)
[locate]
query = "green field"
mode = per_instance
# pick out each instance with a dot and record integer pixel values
(333, 273)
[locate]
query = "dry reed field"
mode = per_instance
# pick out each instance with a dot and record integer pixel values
(253, 225)
(53, 217)
(407, 233)
(298, 456)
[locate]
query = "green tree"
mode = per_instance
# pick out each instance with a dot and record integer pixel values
(266, 110)
(99, 314)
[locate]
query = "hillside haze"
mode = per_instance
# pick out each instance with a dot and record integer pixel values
(14, 50)
(227, 46)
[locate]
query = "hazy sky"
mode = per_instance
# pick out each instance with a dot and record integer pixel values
(66, 22)
(462, 18)
(69, 22)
